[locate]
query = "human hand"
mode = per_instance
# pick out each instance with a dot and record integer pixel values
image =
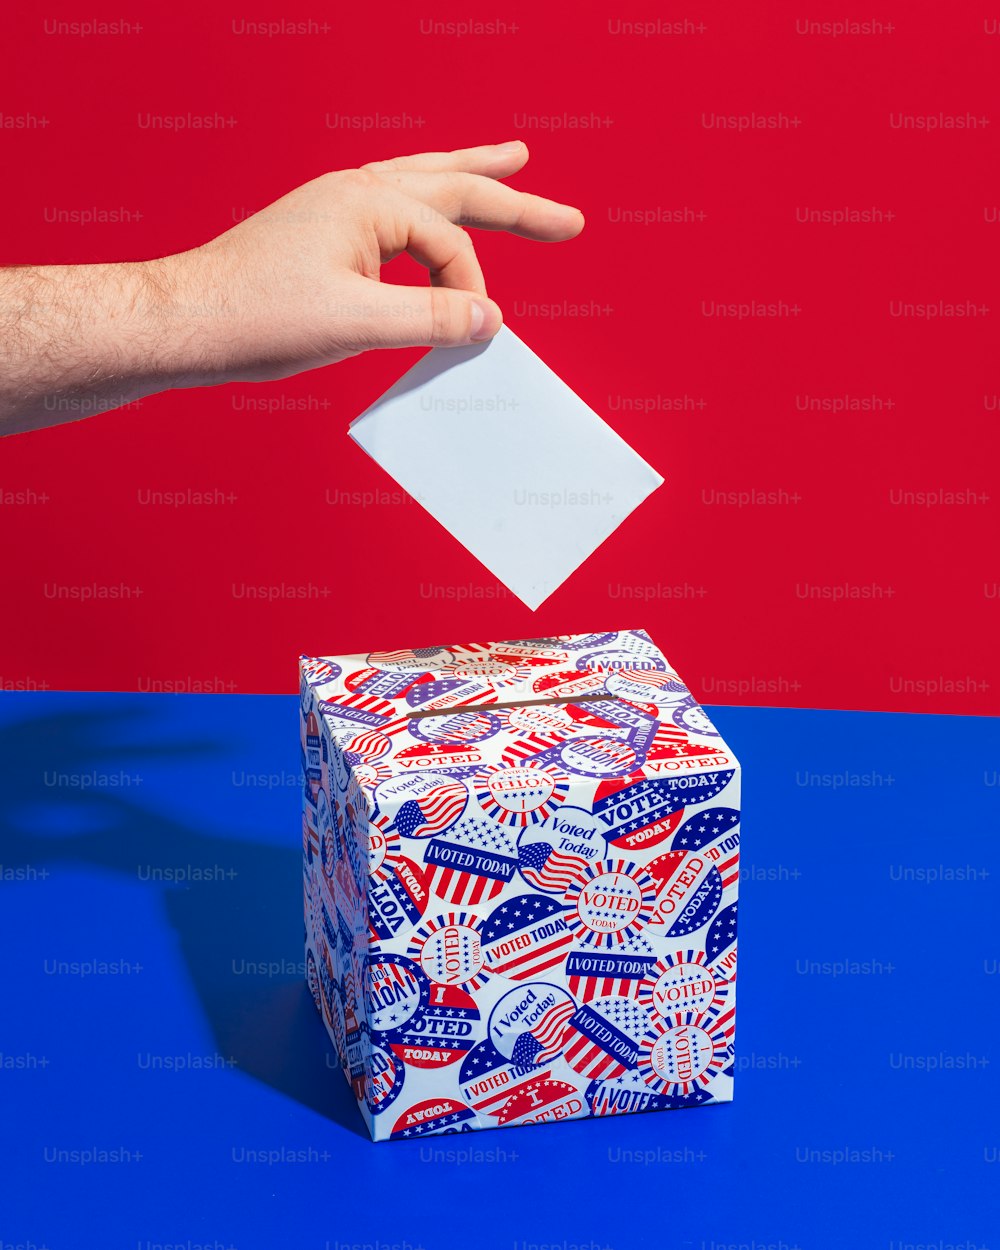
(298, 283)
(293, 287)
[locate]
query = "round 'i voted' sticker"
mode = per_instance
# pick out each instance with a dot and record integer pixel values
(627, 653)
(418, 805)
(688, 892)
(683, 982)
(526, 721)
(383, 852)
(312, 979)
(520, 795)
(384, 1075)
(320, 672)
(527, 1024)
(542, 1102)
(432, 1116)
(328, 849)
(449, 950)
(397, 897)
(663, 689)
(462, 728)
(442, 1031)
(612, 900)
(682, 1056)
(598, 757)
(394, 988)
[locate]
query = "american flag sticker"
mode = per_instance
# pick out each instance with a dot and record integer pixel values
(553, 854)
(600, 972)
(602, 1037)
(418, 805)
(527, 1024)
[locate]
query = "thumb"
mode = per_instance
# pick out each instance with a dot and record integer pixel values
(422, 316)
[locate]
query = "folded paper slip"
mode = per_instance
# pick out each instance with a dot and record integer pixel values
(521, 863)
(510, 461)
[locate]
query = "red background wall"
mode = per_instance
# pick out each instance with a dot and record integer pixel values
(104, 589)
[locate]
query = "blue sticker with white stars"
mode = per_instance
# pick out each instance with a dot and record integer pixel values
(690, 715)
(705, 828)
(526, 937)
(629, 1092)
(720, 943)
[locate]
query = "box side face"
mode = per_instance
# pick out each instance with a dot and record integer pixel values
(550, 902)
(334, 881)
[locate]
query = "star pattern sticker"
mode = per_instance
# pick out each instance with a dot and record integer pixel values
(483, 834)
(722, 933)
(705, 827)
(625, 1014)
(518, 914)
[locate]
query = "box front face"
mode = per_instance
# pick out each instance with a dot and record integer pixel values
(552, 831)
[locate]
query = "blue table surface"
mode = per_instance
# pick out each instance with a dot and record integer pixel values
(166, 1080)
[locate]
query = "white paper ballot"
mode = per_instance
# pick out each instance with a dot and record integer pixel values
(515, 465)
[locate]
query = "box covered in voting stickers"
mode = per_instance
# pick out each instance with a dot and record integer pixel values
(521, 863)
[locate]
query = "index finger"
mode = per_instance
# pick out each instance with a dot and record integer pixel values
(493, 160)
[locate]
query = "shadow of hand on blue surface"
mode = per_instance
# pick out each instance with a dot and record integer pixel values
(240, 936)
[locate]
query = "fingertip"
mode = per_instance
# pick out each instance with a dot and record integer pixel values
(485, 319)
(576, 221)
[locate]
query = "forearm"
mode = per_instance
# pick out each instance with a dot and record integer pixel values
(80, 339)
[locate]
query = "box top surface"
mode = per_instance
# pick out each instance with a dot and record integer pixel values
(591, 710)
